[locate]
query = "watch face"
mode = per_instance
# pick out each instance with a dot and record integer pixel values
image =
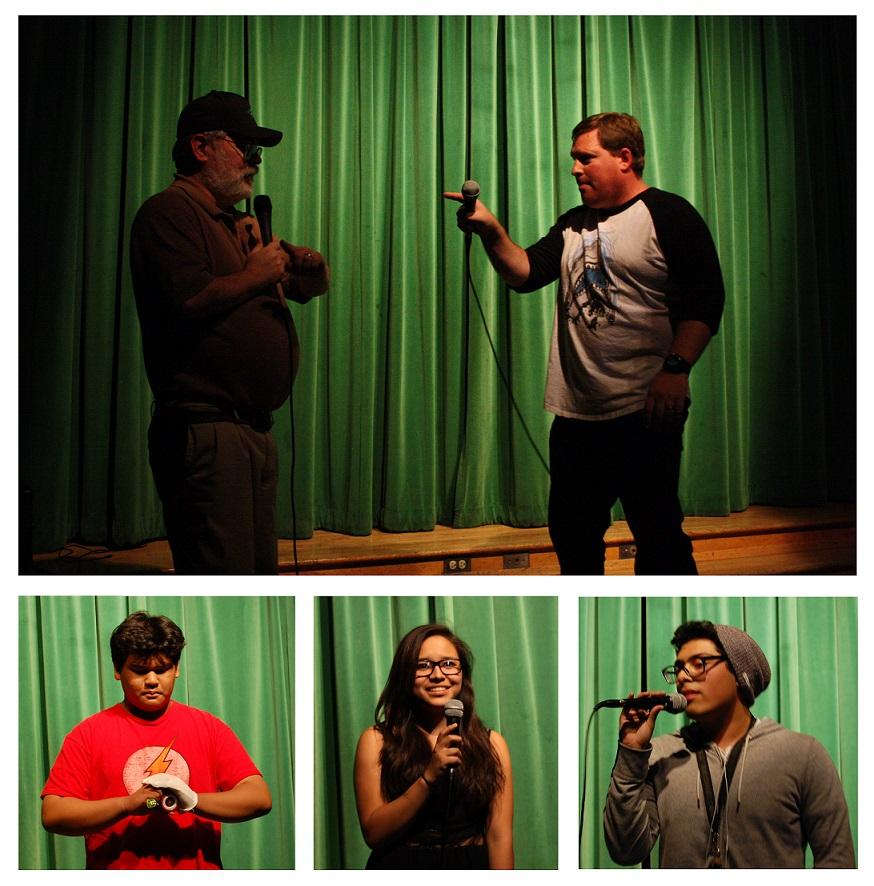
(676, 363)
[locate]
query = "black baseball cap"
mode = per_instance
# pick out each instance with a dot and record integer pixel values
(227, 111)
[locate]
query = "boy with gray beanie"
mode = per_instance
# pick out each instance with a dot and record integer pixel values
(728, 790)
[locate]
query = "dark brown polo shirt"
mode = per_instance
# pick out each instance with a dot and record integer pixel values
(238, 358)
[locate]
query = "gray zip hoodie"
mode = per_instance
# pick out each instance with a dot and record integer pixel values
(785, 794)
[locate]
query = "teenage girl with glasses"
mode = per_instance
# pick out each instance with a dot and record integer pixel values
(432, 795)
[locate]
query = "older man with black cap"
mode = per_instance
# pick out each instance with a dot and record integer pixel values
(729, 790)
(219, 343)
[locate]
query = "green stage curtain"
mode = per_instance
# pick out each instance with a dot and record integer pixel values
(238, 664)
(515, 649)
(401, 419)
(811, 644)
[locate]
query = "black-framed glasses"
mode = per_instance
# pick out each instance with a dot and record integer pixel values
(695, 667)
(449, 667)
(250, 153)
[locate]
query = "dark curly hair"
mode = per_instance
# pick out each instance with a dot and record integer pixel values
(405, 751)
(146, 636)
(695, 630)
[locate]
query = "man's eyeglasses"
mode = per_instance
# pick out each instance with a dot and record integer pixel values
(448, 666)
(695, 668)
(250, 153)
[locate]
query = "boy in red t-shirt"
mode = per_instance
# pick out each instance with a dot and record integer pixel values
(148, 781)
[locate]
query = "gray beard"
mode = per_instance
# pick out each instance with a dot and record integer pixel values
(227, 188)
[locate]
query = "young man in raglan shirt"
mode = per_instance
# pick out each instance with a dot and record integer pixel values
(148, 781)
(729, 790)
(641, 295)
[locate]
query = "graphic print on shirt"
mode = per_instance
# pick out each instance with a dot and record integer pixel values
(153, 761)
(589, 300)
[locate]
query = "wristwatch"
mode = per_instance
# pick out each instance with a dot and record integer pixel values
(677, 365)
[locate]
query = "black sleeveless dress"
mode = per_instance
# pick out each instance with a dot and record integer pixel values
(446, 834)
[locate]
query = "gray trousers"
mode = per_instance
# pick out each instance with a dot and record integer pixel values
(217, 483)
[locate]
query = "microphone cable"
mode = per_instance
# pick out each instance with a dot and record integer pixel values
(293, 446)
(583, 795)
(285, 308)
(444, 836)
(263, 208)
(501, 372)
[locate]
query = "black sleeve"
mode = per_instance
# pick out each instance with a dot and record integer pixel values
(544, 256)
(696, 289)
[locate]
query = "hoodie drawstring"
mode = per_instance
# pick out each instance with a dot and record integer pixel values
(743, 761)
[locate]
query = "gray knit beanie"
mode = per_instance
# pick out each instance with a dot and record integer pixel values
(747, 661)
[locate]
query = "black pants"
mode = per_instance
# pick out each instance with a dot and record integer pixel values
(593, 463)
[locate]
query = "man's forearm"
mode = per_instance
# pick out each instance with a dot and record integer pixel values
(690, 339)
(248, 799)
(508, 259)
(302, 287)
(631, 825)
(73, 817)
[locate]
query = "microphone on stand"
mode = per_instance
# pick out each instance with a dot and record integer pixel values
(673, 702)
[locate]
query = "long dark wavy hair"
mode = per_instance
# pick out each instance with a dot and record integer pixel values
(406, 751)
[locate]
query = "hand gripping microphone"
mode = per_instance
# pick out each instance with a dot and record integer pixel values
(264, 213)
(674, 702)
(470, 192)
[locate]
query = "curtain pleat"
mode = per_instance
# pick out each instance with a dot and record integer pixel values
(810, 642)
(514, 644)
(401, 419)
(238, 664)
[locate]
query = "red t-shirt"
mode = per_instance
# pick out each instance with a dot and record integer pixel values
(110, 753)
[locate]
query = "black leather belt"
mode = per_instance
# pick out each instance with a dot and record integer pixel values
(258, 421)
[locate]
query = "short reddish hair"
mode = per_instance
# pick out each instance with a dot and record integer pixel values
(616, 131)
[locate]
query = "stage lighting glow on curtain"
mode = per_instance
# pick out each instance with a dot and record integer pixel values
(402, 419)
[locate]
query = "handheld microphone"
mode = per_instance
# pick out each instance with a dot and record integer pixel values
(674, 702)
(264, 213)
(470, 192)
(453, 711)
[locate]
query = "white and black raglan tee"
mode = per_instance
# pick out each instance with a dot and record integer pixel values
(628, 276)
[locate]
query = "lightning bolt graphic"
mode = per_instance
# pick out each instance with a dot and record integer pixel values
(160, 763)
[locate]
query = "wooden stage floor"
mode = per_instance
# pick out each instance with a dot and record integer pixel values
(758, 541)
